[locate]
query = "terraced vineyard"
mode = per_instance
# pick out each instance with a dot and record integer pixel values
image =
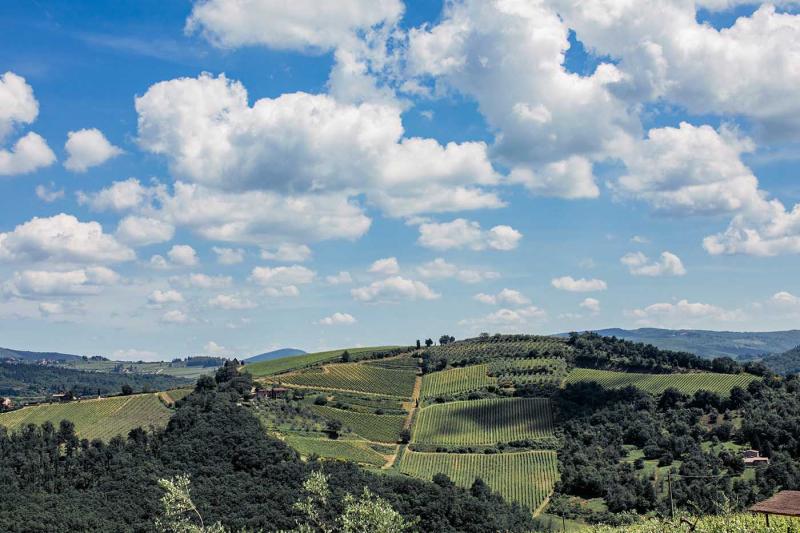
(344, 450)
(357, 377)
(484, 422)
(455, 381)
(380, 428)
(95, 419)
(295, 362)
(524, 477)
(687, 383)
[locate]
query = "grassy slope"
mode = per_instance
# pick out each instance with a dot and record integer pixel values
(295, 362)
(657, 383)
(380, 428)
(345, 450)
(96, 419)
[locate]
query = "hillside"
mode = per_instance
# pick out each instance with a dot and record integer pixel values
(787, 362)
(496, 408)
(32, 381)
(274, 354)
(22, 355)
(101, 418)
(711, 344)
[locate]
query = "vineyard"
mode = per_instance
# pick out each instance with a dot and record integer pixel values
(344, 450)
(455, 381)
(687, 383)
(380, 428)
(95, 419)
(484, 422)
(296, 362)
(527, 478)
(357, 377)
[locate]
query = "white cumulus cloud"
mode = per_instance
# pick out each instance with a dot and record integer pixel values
(88, 148)
(568, 283)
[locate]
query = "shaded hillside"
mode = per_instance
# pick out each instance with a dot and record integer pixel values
(711, 344)
(274, 354)
(22, 355)
(787, 362)
(19, 380)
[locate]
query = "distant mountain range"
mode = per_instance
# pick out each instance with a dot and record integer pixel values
(274, 354)
(735, 344)
(22, 355)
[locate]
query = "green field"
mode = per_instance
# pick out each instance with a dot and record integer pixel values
(95, 419)
(380, 428)
(357, 377)
(688, 383)
(484, 422)
(295, 362)
(524, 477)
(455, 381)
(345, 450)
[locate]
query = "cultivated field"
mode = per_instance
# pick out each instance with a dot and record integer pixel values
(484, 422)
(455, 381)
(688, 383)
(95, 419)
(380, 428)
(357, 377)
(344, 450)
(295, 362)
(524, 477)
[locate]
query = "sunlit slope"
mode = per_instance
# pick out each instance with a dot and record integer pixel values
(296, 362)
(95, 419)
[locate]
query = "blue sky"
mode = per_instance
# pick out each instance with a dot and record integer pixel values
(196, 177)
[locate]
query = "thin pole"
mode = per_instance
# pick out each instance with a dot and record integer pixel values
(671, 501)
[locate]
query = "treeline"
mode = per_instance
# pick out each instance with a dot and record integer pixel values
(240, 476)
(21, 380)
(599, 423)
(592, 350)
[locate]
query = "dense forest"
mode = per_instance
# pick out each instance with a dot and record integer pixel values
(600, 426)
(21, 380)
(240, 477)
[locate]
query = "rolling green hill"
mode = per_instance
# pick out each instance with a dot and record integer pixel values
(22, 355)
(787, 362)
(274, 354)
(296, 362)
